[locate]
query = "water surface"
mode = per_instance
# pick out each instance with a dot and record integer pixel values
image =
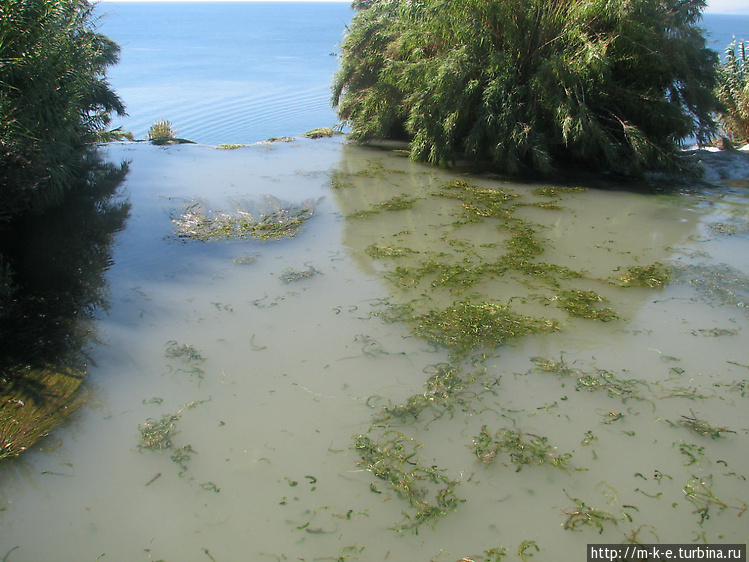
(283, 376)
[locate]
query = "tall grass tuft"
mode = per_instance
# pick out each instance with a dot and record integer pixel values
(161, 131)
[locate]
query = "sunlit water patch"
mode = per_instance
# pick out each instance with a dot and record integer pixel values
(236, 72)
(342, 394)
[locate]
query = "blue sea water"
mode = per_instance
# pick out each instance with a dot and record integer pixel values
(242, 72)
(722, 29)
(226, 72)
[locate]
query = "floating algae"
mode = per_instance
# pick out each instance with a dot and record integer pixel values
(321, 133)
(447, 386)
(190, 356)
(270, 220)
(556, 191)
(378, 251)
(443, 274)
(246, 260)
(467, 327)
(653, 276)
(718, 284)
(188, 353)
(598, 379)
(397, 203)
(393, 458)
(730, 228)
(614, 387)
(582, 304)
(156, 435)
(290, 275)
(230, 146)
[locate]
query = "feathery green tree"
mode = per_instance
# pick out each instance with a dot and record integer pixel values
(54, 96)
(733, 91)
(602, 84)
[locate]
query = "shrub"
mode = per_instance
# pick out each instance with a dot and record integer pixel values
(606, 84)
(733, 92)
(54, 97)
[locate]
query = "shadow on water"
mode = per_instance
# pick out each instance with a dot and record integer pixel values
(55, 263)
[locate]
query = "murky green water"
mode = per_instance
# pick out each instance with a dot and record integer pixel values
(260, 362)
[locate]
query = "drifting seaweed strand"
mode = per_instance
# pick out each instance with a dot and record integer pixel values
(702, 427)
(522, 448)
(445, 388)
(582, 514)
(603, 380)
(698, 491)
(596, 380)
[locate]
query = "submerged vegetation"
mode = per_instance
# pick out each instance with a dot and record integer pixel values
(530, 83)
(467, 294)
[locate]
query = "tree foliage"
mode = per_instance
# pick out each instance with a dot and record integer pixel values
(54, 96)
(733, 92)
(606, 84)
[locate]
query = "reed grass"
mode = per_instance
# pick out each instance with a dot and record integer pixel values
(33, 402)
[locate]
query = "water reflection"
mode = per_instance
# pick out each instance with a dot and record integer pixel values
(57, 260)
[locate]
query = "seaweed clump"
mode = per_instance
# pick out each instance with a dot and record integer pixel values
(290, 275)
(274, 220)
(653, 276)
(320, 133)
(583, 514)
(156, 435)
(445, 388)
(397, 203)
(582, 304)
(467, 327)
